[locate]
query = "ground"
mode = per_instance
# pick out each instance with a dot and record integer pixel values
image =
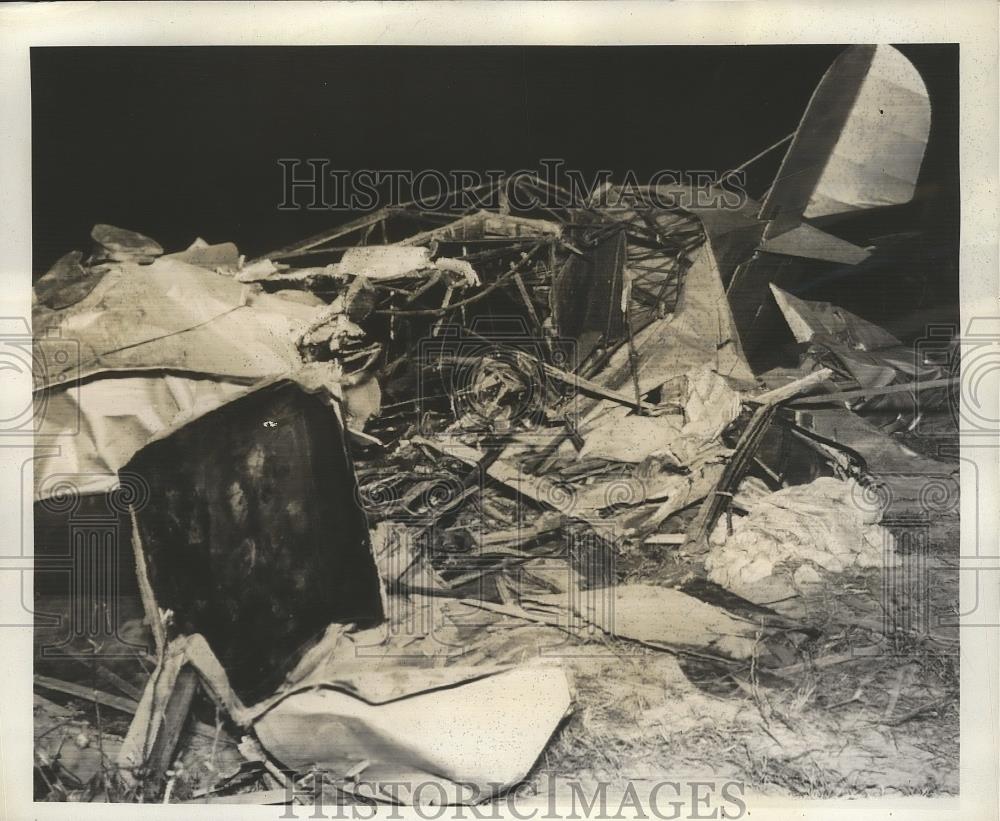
(869, 707)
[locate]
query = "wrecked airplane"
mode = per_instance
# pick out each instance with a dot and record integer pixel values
(380, 467)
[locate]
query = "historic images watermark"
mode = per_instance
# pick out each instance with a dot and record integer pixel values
(317, 184)
(325, 795)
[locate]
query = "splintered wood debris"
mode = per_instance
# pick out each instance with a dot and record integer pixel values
(379, 474)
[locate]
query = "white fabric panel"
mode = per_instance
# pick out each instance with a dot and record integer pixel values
(877, 158)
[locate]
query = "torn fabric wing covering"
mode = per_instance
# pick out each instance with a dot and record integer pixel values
(868, 353)
(701, 331)
(806, 318)
(387, 262)
(795, 536)
(207, 255)
(173, 315)
(487, 732)
(101, 423)
(201, 340)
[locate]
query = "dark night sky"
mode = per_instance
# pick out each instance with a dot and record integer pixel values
(184, 142)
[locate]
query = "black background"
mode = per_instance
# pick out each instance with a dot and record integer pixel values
(184, 142)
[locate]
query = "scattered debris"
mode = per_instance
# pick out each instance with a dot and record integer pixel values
(657, 617)
(374, 484)
(65, 283)
(113, 244)
(795, 538)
